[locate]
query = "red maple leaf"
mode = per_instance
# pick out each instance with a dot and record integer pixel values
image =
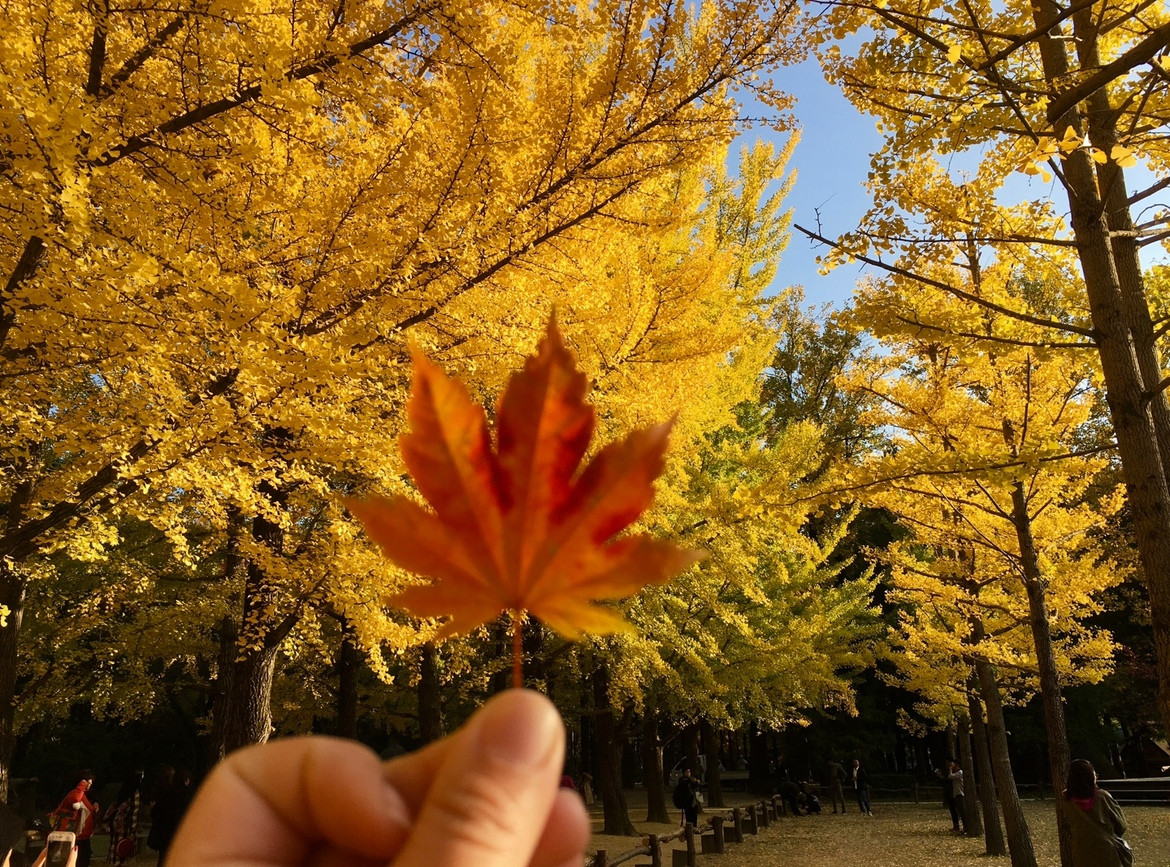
(519, 528)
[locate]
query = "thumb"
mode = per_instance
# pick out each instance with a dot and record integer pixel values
(490, 801)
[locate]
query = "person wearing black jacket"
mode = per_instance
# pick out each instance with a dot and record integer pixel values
(861, 787)
(686, 797)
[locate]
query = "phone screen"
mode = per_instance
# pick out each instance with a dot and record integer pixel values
(58, 853)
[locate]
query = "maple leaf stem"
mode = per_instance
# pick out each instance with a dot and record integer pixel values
(517, 650)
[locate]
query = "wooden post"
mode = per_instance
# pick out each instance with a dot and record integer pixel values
(717, 827)
(737, 823)
(655, 851)
(764, 818)
(753, 823)
(692, 857)
(779, 807)
(600, 859)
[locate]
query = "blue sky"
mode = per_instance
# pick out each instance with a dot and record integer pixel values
(832, 162)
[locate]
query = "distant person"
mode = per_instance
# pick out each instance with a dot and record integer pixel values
(587, 788)
(123, 819)
(958, 800)
(170, 804)
(686, 797)
(1095, 820)
(837, 785)
(78, 814)
(861, 788)
(790, 793)
(809, 802)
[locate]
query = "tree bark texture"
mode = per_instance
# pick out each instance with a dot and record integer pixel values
(12, 592)
(247, 708)
(656, 809)
(1100, 119)
(992, 828)
(711, 748)
(609, 762)
(348, 661)
(13, 587)
(1019, 838)
(245, 705)
(1058, 749)
(971, 818)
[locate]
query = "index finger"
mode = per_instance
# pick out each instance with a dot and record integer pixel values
(274, 803)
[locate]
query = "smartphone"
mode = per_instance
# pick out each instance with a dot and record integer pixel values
(59, 847)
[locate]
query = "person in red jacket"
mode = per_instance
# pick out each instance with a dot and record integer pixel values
(77, 813)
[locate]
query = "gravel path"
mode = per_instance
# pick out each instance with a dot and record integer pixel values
(899, 835)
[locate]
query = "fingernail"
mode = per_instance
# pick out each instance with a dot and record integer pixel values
(519, 728)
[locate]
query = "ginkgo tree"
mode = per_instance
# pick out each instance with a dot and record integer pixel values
(222, 222)
(994, 470)
(1071, 95)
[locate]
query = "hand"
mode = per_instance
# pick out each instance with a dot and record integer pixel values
(42, 857)
(487, 796)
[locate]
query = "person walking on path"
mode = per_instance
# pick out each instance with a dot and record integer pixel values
(78, 814)
(837, 785)
(123, 818)
(686, 798)
(861, 788)
(169, 806)
(1095, 820)
(958, 801)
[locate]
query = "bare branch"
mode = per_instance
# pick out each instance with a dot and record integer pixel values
(953, 290)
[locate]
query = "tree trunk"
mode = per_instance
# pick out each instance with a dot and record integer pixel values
(656, 809)
(690, 736)
(348, 660)
(246, 712)
(1101, 122)
(1126, 392)
(1019, 838)
(985, 786)
(711, 748)
(242, 714)
(12, 592)
(13, 586)
(609, 762)
(430, 710)
(971, 817)
(759, 772)
(1058, 750)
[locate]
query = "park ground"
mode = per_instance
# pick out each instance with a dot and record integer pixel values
(899, 834)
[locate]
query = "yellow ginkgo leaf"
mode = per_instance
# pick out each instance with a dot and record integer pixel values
(954, 53)
(1037, 169)
(1123, 156)
(1071, 140)
(1098, 156)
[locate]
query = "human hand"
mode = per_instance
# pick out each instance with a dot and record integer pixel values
(42, 858)
(486, 796)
